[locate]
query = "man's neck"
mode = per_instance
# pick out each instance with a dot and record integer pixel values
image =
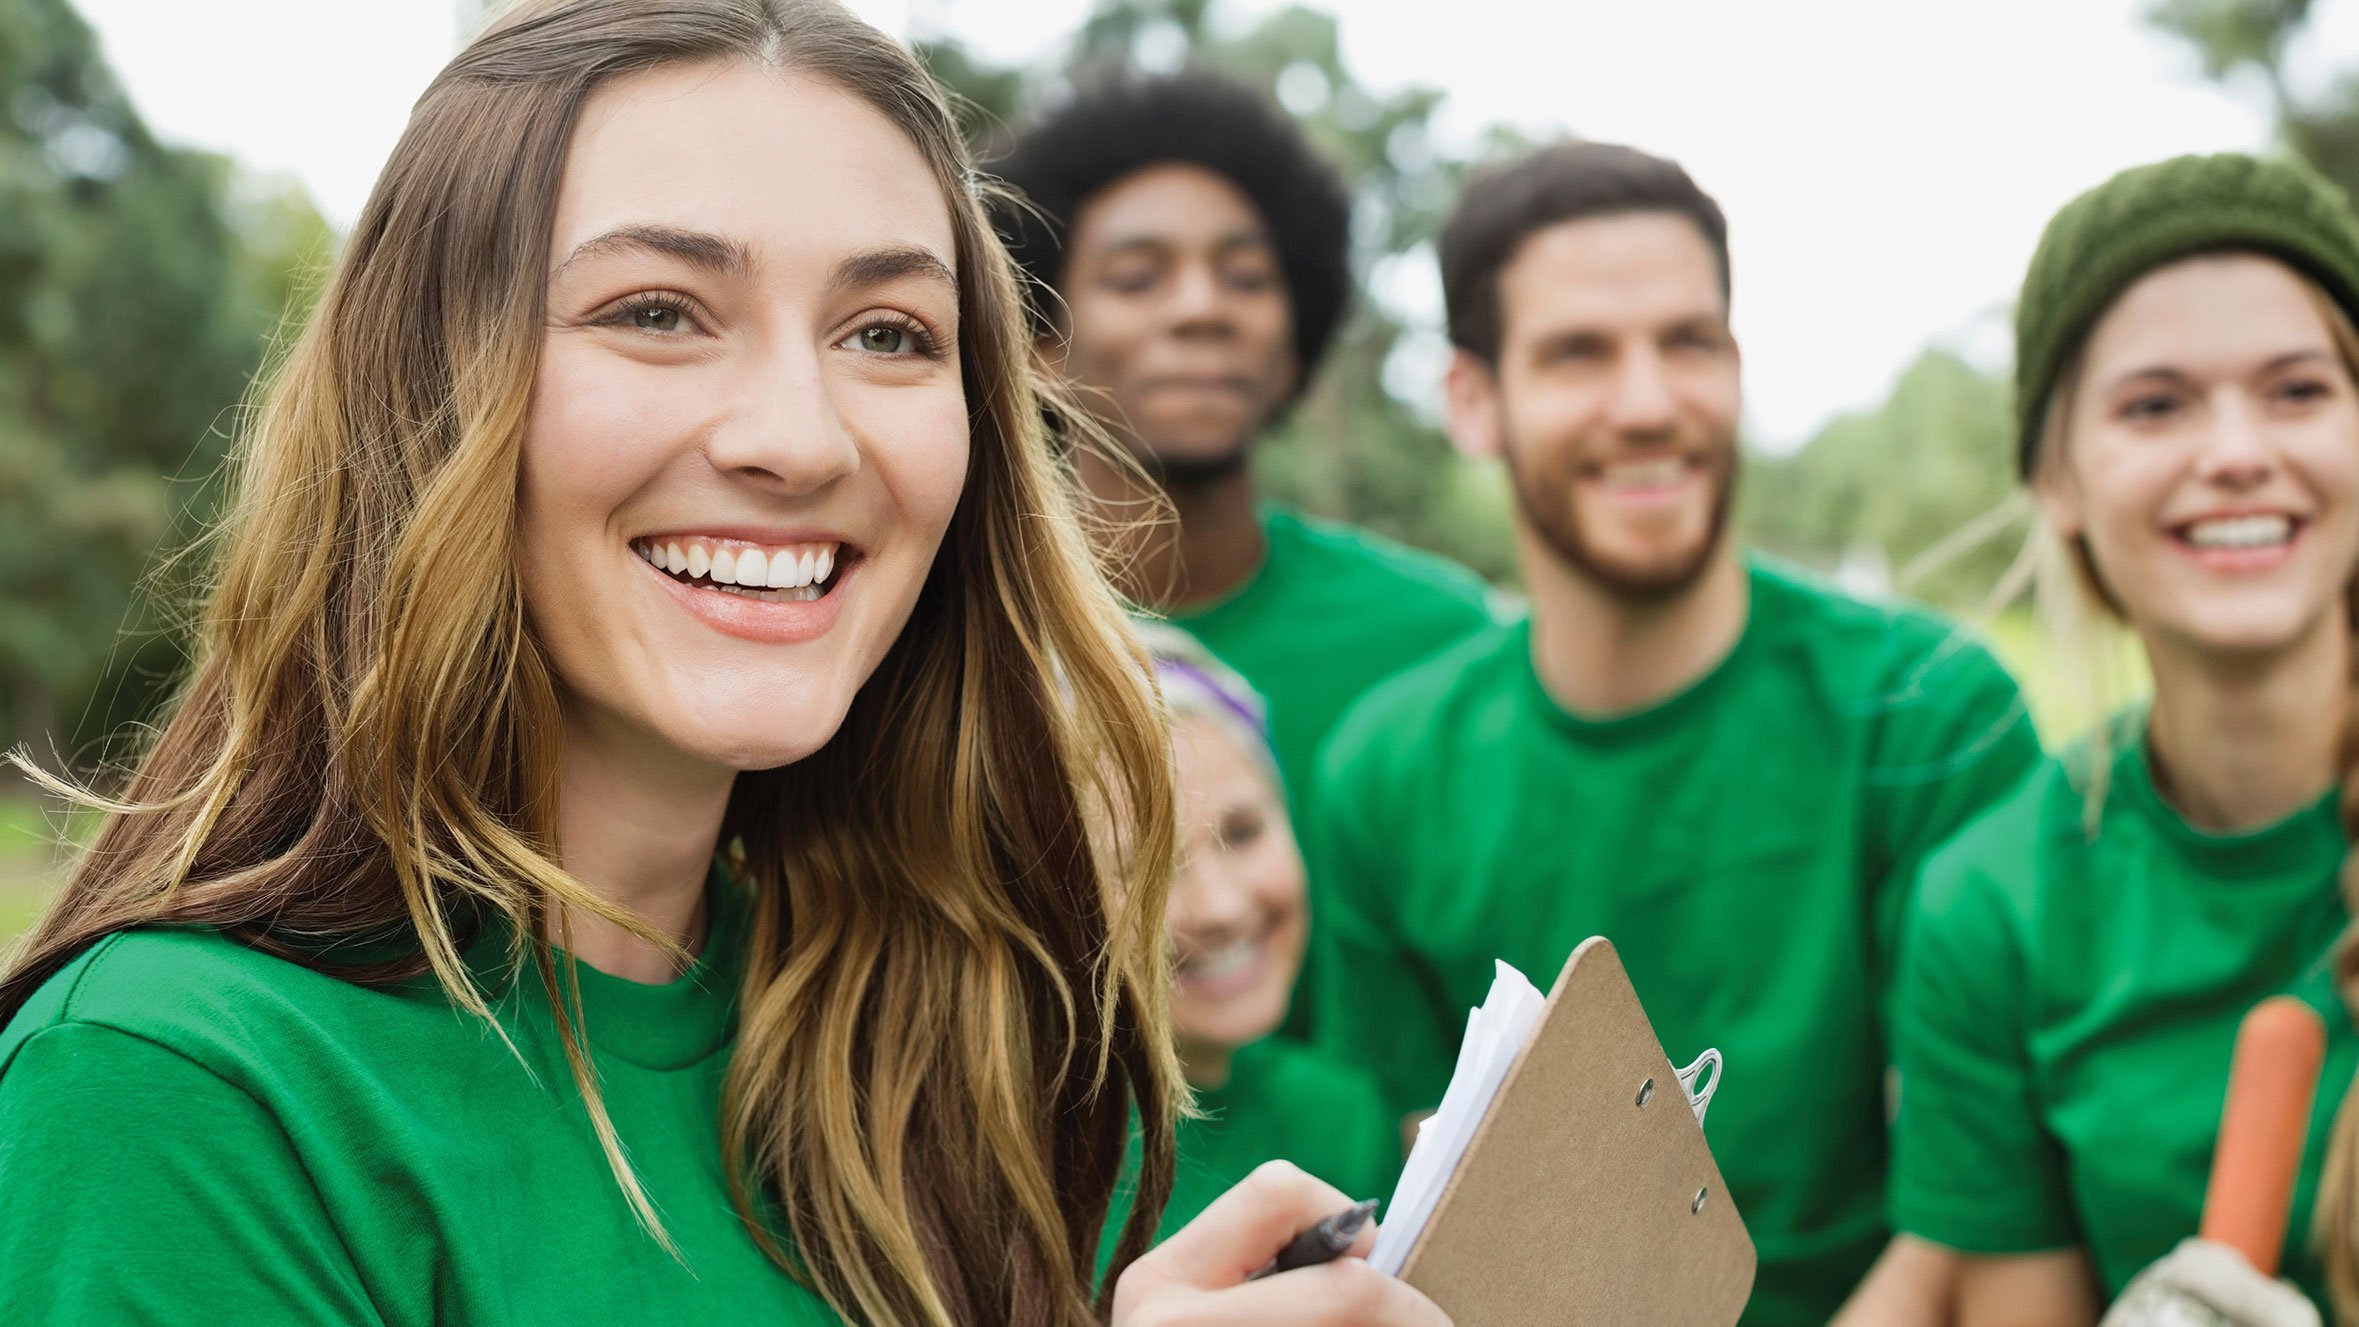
(1600, 653)
(1212, 548)
(2239, 746)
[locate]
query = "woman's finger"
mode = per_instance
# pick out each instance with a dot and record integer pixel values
(1344, 1293)
(1243, 1229)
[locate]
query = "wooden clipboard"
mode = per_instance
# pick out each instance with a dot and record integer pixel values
(1576, 1204)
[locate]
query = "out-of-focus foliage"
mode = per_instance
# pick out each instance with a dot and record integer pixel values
(1874, 494)
(1351, 449)
(138, 286)
(2239, 39)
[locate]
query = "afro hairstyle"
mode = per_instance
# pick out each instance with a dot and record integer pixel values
(1124, 123)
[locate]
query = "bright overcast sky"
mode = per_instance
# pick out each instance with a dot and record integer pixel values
(1885, 164)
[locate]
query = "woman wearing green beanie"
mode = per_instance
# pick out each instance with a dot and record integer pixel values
(2079, 959)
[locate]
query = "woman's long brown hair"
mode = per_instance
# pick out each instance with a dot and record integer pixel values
(954, 1002)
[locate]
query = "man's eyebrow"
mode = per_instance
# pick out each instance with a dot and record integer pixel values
(717, 254)
(875, 267)
(1227, 242)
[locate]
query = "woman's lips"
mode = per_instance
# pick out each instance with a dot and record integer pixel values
(1224, 973)
(791, 622)
(2241, 542)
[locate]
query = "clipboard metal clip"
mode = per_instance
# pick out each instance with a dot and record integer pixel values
(1701, 1101)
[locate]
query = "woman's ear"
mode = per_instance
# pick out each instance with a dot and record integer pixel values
(1470, 391)
(2058, 495)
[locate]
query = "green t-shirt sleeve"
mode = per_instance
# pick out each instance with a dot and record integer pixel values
(1973, 1167)
(1956, 737)
(142, 1187)
(1379, 1007)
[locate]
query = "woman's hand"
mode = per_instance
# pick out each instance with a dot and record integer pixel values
(2203, 1282)
(1198, 1275)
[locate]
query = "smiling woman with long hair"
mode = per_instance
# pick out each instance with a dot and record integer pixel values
(624, 849)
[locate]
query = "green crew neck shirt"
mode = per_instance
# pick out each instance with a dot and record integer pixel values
(1333, 611)
(195, 1132)
(2068, 1008)
(1283, 1101)
(1745, 844)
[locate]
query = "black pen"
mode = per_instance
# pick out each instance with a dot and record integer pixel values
(1323, 1242)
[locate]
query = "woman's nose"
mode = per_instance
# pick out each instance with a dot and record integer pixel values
(790, 433)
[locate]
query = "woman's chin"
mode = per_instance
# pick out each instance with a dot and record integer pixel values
(744, 752)
(1229, 1024)
(2234, 632)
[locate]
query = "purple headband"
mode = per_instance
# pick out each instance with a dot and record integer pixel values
(1228, 700)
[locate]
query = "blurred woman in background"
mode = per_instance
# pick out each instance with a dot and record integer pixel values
(1238, 923)
(2081, 957)
(622, 853)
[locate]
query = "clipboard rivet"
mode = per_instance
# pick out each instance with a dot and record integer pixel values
(1698, 1205)
(1646, 1092)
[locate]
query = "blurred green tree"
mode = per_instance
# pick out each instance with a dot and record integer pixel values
(1352, 449)
(2252, 39)
(138, 286)
(1873, 494)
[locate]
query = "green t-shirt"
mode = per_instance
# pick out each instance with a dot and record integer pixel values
(2067, 1011)
(194, 1132)
(1332, 612)
(1746, 845)
(1284, 1101)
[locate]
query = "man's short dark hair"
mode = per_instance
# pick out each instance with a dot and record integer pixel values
(1505, 204)
(1118, 125)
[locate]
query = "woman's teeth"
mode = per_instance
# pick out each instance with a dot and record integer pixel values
(2241, 532)
(1227, 961)
(775, 574)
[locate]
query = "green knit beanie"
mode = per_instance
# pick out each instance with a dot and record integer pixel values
(2149, 216)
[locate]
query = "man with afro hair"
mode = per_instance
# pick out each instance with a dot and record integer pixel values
(1189, 252)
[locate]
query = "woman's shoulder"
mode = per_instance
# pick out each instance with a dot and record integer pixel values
(191, 991)
(2001, 860)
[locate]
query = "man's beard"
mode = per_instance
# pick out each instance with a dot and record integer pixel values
(1185, 473)
(1546, 501)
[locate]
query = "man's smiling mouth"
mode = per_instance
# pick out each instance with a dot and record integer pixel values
(770, 573)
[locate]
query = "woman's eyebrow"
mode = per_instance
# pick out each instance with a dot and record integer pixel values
(2173, 373)
(2155, 372)
(717, 254)
(875, 267)
(2293, 357)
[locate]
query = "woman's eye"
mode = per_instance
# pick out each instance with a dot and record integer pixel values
(656, 315)
(2149, 409)
(2300, 391)
(883, 339)
(1241, 828)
